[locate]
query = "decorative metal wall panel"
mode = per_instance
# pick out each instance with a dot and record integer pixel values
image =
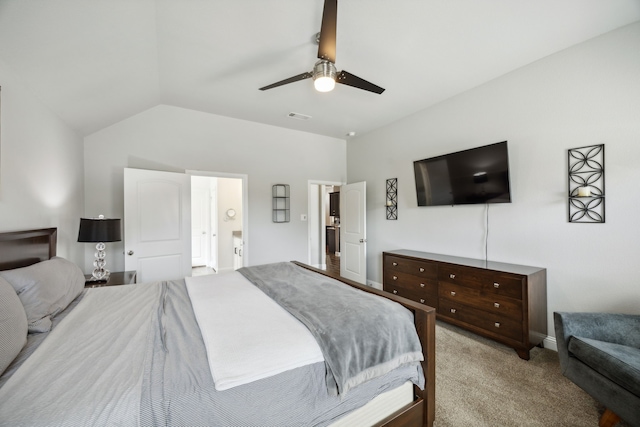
(392, 198)
(586, 184)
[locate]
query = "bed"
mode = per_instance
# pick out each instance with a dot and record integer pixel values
(174, 376)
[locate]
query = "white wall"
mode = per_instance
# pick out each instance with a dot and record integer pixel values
(41, 168)
(588, 94)
(176, 139)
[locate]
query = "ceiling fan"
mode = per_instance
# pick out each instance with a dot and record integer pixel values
(324, 73)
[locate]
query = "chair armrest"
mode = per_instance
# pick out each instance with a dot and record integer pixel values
(615, 328)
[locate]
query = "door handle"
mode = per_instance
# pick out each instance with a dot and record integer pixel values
(363, 240)
(130, 253)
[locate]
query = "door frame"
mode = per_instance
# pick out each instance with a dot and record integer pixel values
(245, 203)
(323, 224)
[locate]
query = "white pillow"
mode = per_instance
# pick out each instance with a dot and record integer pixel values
(13, 325)
(45, 289)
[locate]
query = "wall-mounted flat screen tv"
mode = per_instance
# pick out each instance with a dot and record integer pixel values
(478, 175)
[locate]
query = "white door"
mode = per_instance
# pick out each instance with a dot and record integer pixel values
(353, 232)
(200, 225)
(157, 224)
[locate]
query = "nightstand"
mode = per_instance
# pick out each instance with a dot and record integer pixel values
(115, 279)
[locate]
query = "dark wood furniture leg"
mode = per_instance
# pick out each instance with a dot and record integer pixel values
(609, 419)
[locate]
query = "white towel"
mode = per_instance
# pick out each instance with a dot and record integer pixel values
(247, 335)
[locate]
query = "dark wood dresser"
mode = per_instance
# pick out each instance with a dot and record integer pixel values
(504, 302)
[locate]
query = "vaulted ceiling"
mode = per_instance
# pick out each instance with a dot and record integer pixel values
(96, 62)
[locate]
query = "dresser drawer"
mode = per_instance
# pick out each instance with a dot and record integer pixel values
(425, 269)
(490, 282)
(503, 284)
(492, 303)
(410, 282)
(493, 323)
(428, 299)
(461, 275)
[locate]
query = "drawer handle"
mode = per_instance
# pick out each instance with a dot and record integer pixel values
(395, 264)
(453, 294)
(395, 292)
(496, 285)
(453, 310)
(422, 300)
(496, 304)
(422, 285)
(497, 324)
(452, 276)
(421, 270)
(395, 277)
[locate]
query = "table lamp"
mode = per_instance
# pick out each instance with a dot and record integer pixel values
(99, 230)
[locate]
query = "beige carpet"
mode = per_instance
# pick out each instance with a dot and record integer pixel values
(483, 383)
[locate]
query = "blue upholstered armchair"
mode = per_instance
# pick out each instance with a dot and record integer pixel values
(600, 353)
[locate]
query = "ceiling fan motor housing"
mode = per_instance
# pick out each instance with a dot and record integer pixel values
(324, 68)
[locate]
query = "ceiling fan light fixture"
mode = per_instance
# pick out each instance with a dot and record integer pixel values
(324, 76)
(324, 84)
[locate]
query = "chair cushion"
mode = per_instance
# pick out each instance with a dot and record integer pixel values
(619, 363)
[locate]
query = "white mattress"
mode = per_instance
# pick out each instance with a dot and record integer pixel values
(379, 408)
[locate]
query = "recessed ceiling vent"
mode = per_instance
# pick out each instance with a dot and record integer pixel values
(299, 116)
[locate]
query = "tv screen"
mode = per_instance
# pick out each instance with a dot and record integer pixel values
(478, 175)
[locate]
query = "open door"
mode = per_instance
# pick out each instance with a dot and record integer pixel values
(353, 232)
(157, 224)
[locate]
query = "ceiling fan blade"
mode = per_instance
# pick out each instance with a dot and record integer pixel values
(349, 79)
(289, 80)
(327, 44)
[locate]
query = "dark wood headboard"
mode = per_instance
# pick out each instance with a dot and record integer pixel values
(23, 248)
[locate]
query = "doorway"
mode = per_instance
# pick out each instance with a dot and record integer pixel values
(216, 224)
(324, 226)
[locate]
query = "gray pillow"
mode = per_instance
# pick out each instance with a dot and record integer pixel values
(45, 289)
(13, 325)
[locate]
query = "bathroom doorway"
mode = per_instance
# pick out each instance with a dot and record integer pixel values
(217, 223)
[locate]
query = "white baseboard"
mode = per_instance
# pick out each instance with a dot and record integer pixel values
(550, 343)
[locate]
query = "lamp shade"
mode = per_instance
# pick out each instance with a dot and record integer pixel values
(99, 230)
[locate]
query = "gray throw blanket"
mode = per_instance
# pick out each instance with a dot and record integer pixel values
(361, 335)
